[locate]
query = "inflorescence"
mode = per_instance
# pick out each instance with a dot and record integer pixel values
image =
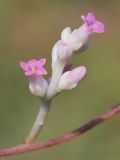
(63, 76)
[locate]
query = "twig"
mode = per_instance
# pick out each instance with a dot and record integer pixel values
(64, 138)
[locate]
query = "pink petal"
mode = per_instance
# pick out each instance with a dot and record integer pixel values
(90, 18)
(98, 27)
(32, 61)
(24, 66)
(41, 62)
(41, 71)
(30, 73)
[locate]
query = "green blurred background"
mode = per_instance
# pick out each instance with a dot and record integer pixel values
(29, 29)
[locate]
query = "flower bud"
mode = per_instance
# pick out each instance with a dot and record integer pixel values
(75, 39)
(38, 86)
(65, 34)
(70, 79)
(61, 51)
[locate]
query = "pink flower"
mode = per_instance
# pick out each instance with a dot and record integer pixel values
(94, 26)
(34, 67)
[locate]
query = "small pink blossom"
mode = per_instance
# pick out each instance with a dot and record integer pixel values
(34, 67)
(94, 26)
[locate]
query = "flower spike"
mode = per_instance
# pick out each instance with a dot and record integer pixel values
(63, 76)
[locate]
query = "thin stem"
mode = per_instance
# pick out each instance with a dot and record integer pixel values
(64, 138)
(39, 122)
(56, 74)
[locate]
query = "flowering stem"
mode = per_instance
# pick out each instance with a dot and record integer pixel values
(56, 74)
(39, 122)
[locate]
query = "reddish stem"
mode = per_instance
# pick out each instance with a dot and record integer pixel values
(64, 138)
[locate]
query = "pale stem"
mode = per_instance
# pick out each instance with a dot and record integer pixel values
(56, 75)
(39, 122)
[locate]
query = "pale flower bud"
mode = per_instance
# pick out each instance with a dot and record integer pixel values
(77, 38)
(61, 51)
(70, 79)
(65, 34)
(38, 86)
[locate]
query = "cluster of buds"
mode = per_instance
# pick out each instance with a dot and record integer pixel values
(63, 77)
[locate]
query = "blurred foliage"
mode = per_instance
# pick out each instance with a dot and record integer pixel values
(29, 28)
